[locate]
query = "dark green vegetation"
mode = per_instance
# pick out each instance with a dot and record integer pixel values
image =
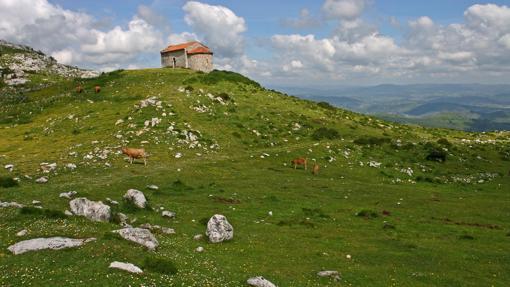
(404, 220)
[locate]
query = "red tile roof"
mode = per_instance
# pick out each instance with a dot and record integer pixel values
(202, 49)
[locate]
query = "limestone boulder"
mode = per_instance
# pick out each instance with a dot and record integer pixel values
(136, 197)
(139, 235)
(93, 210)
(131, 268)
(219, 229)
(260, 281)
(54, 243)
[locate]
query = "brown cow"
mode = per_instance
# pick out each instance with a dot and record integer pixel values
(315, 169)
(79, 89)
(97, 88)
(299, 161)
(135, 153)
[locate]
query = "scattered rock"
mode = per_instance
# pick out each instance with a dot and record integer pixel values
(152, 187)
(68, 195)
(68, 213)
(167, 230)
(199, 249)
(139, 235)
(48, 167)
(110, 201)
(219, 229)
(260, 281)
(54, 243)
(168, 214)
(43, 179)
(71, 166)
(93, 210)
(198, 237)
(131, 268)
(22, 233)
(136, 197)
(328, 273)
(10, 204)
(9, 167)
(36, 202)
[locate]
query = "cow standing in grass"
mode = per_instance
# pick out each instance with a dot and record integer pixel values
(79, 89)
(300, 161)
(135, 153)
(97, 89)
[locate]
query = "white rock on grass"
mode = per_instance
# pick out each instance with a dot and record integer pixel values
(152, 187)
(22, 233)
(71, 166)
(198, 237)
(167, 230)
(42, 179)
(68, 213)
(93, 210)
(168, 214)
(139, 235)
(9, 167)
(10, 204)
(68, 195)
(54, 243)
(136, 197)
(219, 229)
(199, 249)
(329, 273)
(131, 268)
(260, 281)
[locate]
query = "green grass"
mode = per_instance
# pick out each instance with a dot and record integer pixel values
(450, 228)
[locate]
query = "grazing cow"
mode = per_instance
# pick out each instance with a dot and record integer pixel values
(315, 169)
(299, 161)
(135, 153)
(79, 89)
(97, 88)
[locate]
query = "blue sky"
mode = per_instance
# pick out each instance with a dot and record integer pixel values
(359, 41)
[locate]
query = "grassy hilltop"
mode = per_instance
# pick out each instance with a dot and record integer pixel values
(221, 143)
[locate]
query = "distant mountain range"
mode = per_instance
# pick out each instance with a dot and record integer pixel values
(471, 107)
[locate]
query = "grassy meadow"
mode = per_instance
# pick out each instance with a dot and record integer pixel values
(379, 211)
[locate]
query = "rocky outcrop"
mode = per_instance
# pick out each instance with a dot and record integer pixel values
(219, 229)
(139, 235)
(54, 243)
(136, 197)
(93, 210)
(329, 273)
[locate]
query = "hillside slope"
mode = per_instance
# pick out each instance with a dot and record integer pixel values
(379, 212)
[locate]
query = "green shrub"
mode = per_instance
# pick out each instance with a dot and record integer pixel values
(188, 88)
(443, 142)
(216, 76)
(326, 105)
(160, 265)
(42, 212)
(371, 140)
(436, 154)
(6, 182)
(367, 213)
(325, 133)
(224, 96)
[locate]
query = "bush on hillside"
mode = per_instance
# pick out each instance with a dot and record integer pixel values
(6, 182)
(160, 265)
(325, 133)
(371, 140)
(325, 105)
(436, 154)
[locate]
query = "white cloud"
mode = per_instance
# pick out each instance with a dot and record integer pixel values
(344, 9)
(182, 38)
(219, 27)
(72, 37)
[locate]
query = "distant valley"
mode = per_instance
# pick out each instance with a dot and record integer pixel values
(470, 107)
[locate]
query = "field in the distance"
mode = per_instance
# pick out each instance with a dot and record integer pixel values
(404, 220)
